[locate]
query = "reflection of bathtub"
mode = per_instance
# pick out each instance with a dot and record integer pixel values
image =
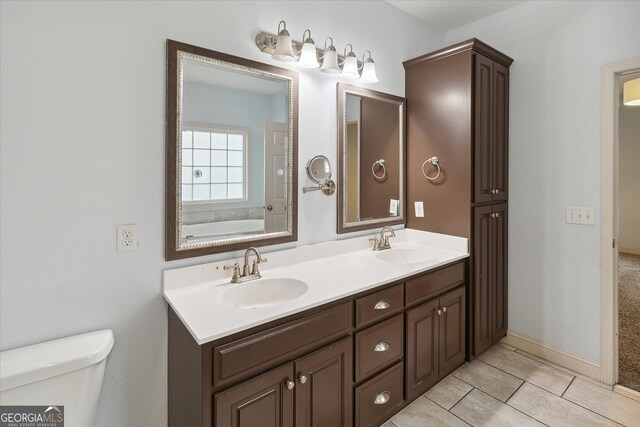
(218, 229)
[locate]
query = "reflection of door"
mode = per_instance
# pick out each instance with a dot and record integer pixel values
(379, 139)
(353, 171)
(275, 179)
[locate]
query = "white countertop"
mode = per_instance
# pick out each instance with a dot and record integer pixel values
(331, 270)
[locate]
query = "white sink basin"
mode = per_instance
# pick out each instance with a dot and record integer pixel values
(405, 256)
(262, 293)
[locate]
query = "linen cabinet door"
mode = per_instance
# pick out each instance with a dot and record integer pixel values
(422, 348)
(481, 286)
(265, 401)
(499, 265)
(324, 396)
(483, 187)
(500, 138)
(452, 331)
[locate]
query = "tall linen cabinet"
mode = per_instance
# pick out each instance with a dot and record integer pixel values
(457, 111)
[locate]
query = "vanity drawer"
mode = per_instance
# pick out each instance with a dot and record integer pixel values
(378, 398)
(247, 356)
(379, 305)
(378, 346)
(429, 285)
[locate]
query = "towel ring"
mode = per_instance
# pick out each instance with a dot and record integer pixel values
(381, 164)
(434, 162)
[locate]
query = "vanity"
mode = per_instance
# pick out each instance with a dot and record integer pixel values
(372, 332)
(341, 333)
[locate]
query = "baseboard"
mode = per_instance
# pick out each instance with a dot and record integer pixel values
(553, 354)
(627, 250)
(627, 392)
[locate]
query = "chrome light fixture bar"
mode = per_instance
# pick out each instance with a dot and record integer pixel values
(282, 48)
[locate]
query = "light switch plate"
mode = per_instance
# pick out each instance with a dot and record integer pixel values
(580, 215)
(419, 207)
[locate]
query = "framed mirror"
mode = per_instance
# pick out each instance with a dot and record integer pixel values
(371, 159)
(231, 153)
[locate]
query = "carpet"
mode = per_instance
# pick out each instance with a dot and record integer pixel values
(629, 320)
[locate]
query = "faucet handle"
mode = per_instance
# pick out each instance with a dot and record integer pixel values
(375, 241)
(254, 268)
(236, 269)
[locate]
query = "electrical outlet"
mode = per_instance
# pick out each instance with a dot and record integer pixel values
(127, 238)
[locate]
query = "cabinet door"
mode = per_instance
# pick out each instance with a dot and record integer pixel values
(324, 387)
(482, 129)
(422, 348)
(264, 401)
(500, 138)
(482, 280)
(452, 331)
(499, 274)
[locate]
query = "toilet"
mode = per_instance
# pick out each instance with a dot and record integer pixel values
(67, 371)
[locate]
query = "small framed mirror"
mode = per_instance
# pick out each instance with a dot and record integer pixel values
(231, 144)
(371, 160)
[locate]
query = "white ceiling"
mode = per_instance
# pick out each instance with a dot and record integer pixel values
(450, 14)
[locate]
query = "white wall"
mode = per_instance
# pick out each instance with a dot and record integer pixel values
(629, 173)
(82, 113)
(555, 141)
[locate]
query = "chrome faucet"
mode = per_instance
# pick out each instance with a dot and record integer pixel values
(383, 243)
(246, 274)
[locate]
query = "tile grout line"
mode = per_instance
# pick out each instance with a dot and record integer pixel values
(521, 379)
(565, 390)
(459, 400)
(515, 391)
(515, 409)
(593, 411)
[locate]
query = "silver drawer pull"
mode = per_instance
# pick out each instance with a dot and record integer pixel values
(382, 398)
(382, 346)
(383, 304)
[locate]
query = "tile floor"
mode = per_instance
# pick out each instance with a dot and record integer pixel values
(505, 387)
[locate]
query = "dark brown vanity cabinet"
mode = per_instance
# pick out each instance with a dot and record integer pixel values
(489, 275)
(435, 341)
(457, 110)
(352, 362)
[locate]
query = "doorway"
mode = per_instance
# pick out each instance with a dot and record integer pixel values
(629, 238)
(620, 363)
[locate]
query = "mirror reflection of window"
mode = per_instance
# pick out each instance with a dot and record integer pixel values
(213, 164)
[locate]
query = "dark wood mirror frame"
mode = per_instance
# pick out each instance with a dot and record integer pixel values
(343, 90)
(172, 251)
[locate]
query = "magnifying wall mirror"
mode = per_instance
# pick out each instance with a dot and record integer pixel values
(231, 153)
(371, 146)
(319, 171)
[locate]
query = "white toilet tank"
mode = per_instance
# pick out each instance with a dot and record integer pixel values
(68, 372)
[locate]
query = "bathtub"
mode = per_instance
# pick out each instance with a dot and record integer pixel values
(207, 231)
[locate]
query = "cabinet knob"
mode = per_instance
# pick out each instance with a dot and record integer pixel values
(382, 398)
(302, 378)
(383, 304)
(497, 214)
(439, 312)
(444, 309)
(290, 384)
(383, 345)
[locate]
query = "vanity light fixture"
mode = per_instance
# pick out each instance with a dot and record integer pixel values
(631, 90)
(330, 58)
(350, 64)
(308, 55)
(284, 50)
(368, 69)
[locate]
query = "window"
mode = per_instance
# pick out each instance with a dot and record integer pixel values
(214, 164)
